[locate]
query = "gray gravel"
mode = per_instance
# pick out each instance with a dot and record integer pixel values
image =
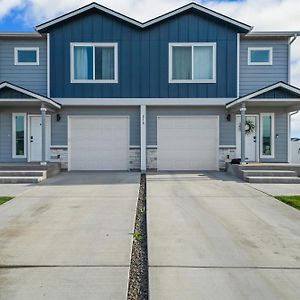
(138, 277)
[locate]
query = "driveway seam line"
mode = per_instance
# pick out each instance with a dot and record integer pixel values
(227, 267)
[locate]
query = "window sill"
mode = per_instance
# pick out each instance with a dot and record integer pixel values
(94, 81)
(193, 81)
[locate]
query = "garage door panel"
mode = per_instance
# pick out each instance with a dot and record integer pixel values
(187, 143)
(99, 143)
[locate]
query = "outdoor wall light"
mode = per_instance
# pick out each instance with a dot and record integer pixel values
(228, 117)
(58, 117)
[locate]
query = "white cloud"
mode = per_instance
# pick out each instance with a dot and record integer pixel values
(263, 15)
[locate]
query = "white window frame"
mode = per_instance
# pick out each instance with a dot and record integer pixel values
(272, 135)
(192, 45)
(36, 49)
(115, 45)
(269, 63)
(14, 146)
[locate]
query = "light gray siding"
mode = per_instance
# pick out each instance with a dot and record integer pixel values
(253, 78)
(33, 78)
(227, 129)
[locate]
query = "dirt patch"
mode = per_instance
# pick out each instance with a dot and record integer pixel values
(138, 276)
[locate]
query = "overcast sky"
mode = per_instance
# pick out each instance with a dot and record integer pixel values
(23, 15)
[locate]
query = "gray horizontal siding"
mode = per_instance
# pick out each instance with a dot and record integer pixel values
(227, 129)
(253, 78)
(60, 129)
(33, 78)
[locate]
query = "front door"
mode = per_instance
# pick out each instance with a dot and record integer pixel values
(35, 138)
(250, 139)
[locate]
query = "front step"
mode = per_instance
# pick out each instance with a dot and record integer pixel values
(27, 173)
(23, 173)
(21, 179)
(269, 173)
(272, 179)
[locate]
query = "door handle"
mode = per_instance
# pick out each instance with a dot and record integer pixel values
(254, 139)
(31, 139)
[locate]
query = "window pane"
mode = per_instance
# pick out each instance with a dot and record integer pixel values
(267, 135)
(83, 62)
(260, 56)
(203, 62)
(27, 56)
(104, 63)
(20, 135)
(182, 63)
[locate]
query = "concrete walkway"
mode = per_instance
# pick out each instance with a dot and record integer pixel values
(212, 237)
(277, 189)
(69, 237)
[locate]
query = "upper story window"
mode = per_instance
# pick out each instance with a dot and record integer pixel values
(192, 62)
(94, 63)
(27, 56)
(260, 56)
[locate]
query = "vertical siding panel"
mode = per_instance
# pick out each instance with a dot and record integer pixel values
(143, 66)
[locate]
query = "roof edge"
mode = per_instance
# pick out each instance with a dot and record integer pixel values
(271, 87)
(29, 93)
(150, 22)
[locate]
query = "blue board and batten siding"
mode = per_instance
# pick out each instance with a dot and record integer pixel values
(253, 78)
(143, 56)
(33, 78)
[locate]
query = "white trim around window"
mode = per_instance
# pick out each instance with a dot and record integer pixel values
(36, 49)
(192, 45)
(94, 45)
(268, 63)
(272, 115)
(14, 144)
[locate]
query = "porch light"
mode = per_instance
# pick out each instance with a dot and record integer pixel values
(58, 117)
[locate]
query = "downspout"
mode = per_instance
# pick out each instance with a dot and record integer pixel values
(291, 41)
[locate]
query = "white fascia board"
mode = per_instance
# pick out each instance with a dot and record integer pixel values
(148, 23)
(262, 91)
(30, 94)
(143, 101)
(273, 33)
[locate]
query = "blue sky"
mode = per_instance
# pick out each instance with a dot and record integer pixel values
(23, 15)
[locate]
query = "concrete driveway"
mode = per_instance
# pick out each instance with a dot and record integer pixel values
(69, 237)
(213, 237)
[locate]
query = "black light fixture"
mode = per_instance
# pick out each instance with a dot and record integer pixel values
(228, 117)
(58, 117)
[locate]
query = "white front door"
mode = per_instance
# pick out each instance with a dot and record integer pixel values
(35, 138)
(250, 139)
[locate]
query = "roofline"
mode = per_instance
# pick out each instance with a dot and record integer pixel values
(147, 23)
(29, 93)
(262, 91)
(273, 33)
(21, 34)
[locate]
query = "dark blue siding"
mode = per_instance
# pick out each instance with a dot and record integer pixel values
(143, 56)
(279, 93)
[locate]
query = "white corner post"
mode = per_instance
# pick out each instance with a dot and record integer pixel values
(243, 133)
(43, 123)
(143, 140)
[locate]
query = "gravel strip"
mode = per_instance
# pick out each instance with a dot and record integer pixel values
(138, 276)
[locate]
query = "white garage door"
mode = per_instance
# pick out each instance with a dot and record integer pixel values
(98, 143)
(187, 143)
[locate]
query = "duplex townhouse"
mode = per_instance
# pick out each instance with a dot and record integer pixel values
(97, 90)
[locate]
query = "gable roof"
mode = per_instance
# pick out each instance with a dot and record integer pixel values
(118, 15)
(285, 86)
(28, 93)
